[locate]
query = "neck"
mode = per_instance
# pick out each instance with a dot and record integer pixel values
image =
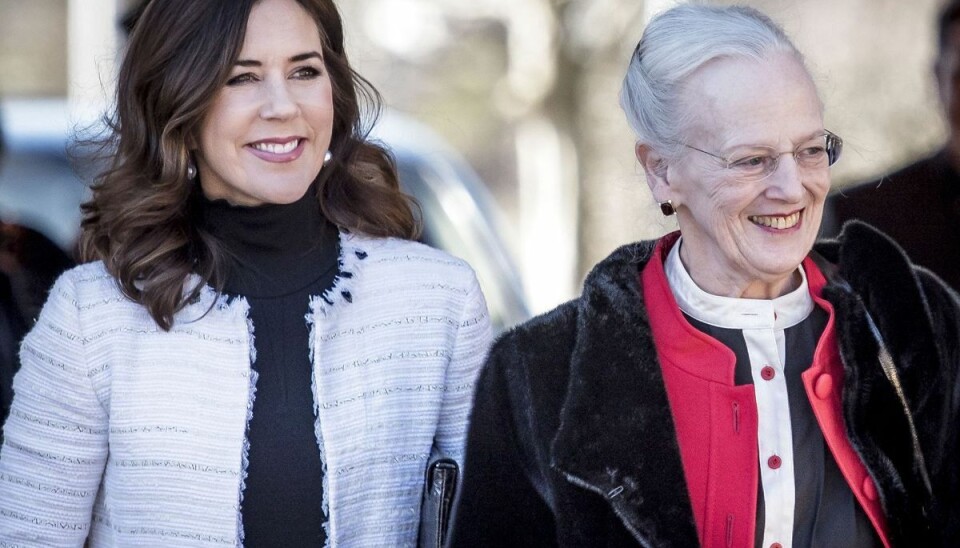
(727, 283)
(271, 249)
(771, 290)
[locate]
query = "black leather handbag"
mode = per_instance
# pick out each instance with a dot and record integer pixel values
(439, 488)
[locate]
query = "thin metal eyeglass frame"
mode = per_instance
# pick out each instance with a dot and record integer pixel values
(833, 147)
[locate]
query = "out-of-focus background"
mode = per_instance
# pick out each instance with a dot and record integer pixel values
(526, 91)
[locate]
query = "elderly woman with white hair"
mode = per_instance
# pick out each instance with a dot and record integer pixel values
(732, 383)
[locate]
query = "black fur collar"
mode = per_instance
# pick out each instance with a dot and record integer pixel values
(875, 277)
(617, 435)
(607, 442)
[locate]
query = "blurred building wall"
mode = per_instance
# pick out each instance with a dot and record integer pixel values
(33, 47)
(59, 48)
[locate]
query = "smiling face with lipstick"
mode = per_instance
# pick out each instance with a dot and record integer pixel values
(241, 101)
(264, 138)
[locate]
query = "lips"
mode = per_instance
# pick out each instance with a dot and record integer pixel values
(777, 222)
(284, 149)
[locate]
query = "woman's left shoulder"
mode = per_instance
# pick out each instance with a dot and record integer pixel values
(897, 291)
(397, 257)
(872, 261)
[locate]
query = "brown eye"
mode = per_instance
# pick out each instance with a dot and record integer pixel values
(306, 73)
(241, 79)
(812, 156)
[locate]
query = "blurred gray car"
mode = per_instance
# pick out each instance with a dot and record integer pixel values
(40, 190)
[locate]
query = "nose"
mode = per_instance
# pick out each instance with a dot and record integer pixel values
(278, 102)
(786, 181)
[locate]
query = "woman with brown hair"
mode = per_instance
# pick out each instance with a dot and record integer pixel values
(255, 351)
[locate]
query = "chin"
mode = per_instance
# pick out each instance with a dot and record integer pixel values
(285, 194)
(781, 268)
(776, 261)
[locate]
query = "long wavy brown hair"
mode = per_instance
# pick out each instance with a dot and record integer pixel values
(142, 220)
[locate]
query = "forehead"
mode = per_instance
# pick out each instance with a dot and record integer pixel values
(735, 101)
(280, 24)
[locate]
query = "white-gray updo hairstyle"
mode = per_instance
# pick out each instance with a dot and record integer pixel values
(675, 44)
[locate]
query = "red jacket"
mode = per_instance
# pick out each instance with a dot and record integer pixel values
(716, 421)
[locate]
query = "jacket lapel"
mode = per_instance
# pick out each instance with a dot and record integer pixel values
(872, 276)
(616, 434)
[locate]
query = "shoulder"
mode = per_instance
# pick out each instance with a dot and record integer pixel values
(907, 302)
(400, 251)
(544, 335)
(864, 257)
(528, 367)
(83, 299)
(394, 259)
(609, 287)
(92, 296)
(86, 286)
(531, 361)
(88, 272)
(863, 252)
(398, 277)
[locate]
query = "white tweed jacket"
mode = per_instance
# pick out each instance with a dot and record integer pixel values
(132, 436)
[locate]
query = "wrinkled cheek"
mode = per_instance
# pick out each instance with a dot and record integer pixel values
(713, 227)
(818, 185)
(730, 235)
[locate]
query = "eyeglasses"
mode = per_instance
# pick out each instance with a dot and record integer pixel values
(756, 163)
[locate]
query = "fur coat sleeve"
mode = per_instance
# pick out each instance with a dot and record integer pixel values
(884, 302)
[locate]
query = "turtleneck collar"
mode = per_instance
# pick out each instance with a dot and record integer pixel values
(272, 250)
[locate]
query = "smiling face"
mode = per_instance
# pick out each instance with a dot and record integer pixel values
(265, 136)
(746, 238)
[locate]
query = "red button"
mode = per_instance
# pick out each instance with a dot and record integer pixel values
(768, 373)
(774, 462)
(776, 545)
(823, 386)
(869, 489)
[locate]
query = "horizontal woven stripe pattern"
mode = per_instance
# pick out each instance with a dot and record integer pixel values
(136, 436)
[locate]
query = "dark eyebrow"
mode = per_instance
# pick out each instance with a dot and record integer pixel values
(305, 56)
(295, 59)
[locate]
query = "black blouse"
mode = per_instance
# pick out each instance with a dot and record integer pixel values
(278, 257)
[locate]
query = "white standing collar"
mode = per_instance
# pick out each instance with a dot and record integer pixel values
(731, 312)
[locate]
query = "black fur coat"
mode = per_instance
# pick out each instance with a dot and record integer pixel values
(572, 442)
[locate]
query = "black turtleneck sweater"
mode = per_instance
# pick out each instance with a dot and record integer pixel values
(279, 256)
